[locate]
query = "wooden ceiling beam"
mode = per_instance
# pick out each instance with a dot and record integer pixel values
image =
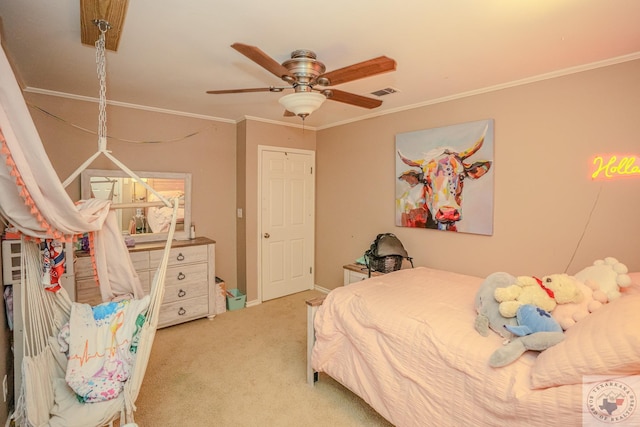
(112, 11)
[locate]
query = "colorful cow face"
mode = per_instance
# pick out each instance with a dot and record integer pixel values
(444, 174)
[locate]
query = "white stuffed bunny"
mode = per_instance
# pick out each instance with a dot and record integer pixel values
(609, 274)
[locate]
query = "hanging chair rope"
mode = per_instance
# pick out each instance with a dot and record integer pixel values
(101, 66)
(101, 63)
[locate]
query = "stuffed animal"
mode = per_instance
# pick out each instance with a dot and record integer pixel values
(489, 316)
(536, 330)
(568, 314)
(510, 352)
(609, 274)
(533, 319)
(564, 287)
(546, 293)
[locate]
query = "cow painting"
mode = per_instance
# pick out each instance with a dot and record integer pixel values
(435, 199)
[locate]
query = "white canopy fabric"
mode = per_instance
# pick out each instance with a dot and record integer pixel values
(38, 187)
(34, 201)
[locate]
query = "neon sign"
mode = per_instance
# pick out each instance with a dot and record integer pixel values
(614, 166)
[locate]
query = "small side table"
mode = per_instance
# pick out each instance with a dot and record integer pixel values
(356, 272)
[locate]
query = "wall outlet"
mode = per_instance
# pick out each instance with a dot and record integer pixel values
(239, 213)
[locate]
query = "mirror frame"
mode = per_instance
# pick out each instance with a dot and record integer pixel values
(85, 193)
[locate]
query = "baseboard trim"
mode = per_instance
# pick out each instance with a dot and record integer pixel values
(255, 302)
(321, 289)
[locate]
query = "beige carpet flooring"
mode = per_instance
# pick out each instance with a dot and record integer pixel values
(244, 368)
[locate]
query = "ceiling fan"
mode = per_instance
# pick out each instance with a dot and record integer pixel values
(306, 76)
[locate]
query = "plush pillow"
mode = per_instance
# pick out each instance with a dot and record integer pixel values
(634, 287)
(607, 342)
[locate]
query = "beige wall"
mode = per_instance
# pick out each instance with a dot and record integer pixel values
(257, 134)
(209, 156)
(241, 194)
(545, 136)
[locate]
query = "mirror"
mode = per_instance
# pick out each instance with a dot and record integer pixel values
(143, 223)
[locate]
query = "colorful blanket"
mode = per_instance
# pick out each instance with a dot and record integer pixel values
(100, 343)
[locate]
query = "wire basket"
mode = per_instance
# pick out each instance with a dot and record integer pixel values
(385, 264)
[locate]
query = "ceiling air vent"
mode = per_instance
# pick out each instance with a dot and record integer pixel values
(385, 91)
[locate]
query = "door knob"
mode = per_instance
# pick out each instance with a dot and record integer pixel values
(267, 235)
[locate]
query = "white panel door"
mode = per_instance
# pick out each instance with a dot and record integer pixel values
(287, 204)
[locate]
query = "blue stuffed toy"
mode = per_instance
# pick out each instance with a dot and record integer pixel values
(533, 319)
(536, 330)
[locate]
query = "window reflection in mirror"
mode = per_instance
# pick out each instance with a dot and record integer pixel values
(144, 223)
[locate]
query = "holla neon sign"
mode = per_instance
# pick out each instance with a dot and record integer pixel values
(612, 166)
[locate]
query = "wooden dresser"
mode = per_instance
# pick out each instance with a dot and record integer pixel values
(190, 286)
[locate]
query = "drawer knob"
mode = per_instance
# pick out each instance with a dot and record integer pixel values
(182, 312)
(181, 276)
(180, 257)
(181, 293)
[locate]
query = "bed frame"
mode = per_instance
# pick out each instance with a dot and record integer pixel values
(312, 308)
(448, 357)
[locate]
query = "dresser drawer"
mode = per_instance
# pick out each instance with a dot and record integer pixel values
(356, 277)
(88, 292)
(185, 274)
(83, 266)
(185, 291)
(140, 260)
(90, 283)
(188, 283)
(85, 284)
(89, 295)
(178, 256)
(145, 280)
(356, 272)
(181, 311)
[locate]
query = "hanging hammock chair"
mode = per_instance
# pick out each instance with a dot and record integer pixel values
(82, 365)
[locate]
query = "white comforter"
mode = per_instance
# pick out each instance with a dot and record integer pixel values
(405, 343)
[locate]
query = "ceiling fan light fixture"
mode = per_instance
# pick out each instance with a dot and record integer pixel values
(302, 103)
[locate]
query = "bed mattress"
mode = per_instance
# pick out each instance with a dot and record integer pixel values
(405, 343)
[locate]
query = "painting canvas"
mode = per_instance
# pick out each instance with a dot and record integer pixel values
(444, 178)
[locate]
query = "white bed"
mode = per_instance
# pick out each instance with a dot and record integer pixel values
(405, 343)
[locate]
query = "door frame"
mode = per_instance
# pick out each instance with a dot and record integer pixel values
(312, 153)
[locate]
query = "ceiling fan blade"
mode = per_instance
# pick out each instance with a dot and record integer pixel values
(353, 99)
(262, 59)
(255, 89)
(112, 11)
(374, 66)
(288, 113)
